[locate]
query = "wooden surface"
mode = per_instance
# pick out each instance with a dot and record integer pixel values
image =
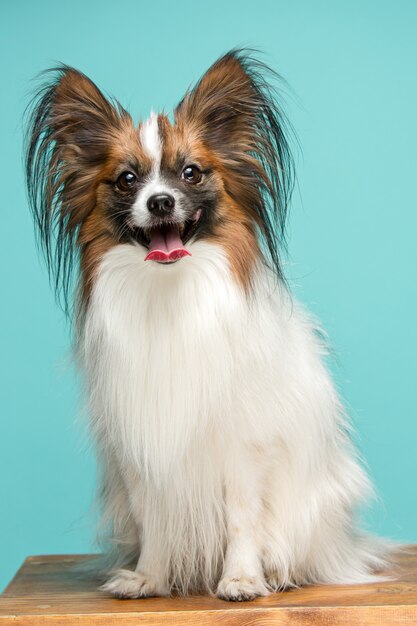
(47, 590)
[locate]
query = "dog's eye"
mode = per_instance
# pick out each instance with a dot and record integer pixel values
(126, 181)
(191, 174)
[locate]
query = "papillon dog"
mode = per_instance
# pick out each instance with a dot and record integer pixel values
(227, 465)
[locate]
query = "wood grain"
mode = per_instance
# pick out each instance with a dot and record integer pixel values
(48, 590)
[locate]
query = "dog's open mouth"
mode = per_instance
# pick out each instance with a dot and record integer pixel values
(166, 242)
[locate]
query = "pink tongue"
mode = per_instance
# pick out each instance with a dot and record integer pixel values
(166, 246)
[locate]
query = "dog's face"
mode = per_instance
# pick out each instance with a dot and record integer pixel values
(221, 171)
(164, 185)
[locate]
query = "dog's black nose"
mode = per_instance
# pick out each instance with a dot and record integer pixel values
(161, 204)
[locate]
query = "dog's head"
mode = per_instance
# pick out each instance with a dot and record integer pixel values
(221, 171)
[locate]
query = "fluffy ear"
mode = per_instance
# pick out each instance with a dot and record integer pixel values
(222, 104)
(70, 129)
(234, 110)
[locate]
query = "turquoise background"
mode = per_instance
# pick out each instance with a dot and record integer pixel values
(352, 68)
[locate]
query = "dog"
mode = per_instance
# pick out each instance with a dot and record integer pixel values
(226, 461)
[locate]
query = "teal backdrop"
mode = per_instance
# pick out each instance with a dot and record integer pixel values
(352, 68)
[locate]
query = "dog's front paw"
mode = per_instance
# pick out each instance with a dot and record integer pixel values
(242, 588)
(127, 584)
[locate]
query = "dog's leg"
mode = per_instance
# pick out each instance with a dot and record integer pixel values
(242, 577)
(150, 575)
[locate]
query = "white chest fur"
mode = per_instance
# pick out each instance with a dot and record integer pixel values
(162, 347)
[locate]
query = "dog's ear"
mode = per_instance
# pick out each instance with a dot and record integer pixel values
(71, 128)
(79, 118)
(221, 108)
(70, 132)
(234, 110)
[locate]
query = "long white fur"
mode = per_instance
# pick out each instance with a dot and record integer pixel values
(227, 460)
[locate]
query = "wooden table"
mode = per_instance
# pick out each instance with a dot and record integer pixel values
(47, 590)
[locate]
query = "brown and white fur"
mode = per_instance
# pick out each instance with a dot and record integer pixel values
(227, 464)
